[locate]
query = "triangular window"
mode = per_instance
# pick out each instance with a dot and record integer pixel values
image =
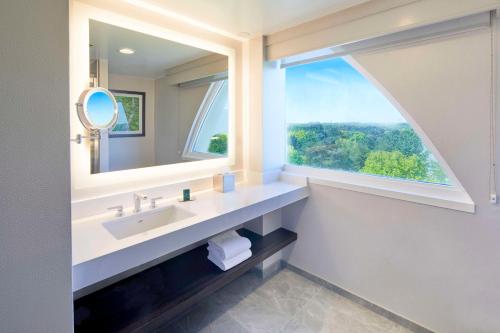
(338, 119)
(208, 135)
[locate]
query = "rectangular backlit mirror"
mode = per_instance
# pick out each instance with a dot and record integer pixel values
(172, 100)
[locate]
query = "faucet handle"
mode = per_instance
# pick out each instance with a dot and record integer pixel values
(140, 196)
(153, 202)
(119, 210)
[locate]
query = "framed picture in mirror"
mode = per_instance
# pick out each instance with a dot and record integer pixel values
(131, 114)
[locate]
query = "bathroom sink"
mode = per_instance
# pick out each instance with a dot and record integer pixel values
(140, 223)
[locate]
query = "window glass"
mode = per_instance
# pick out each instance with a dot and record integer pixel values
(211, 137)
(338, 119)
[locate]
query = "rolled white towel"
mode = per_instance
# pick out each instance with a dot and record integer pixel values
(230, 263)
(228, 245)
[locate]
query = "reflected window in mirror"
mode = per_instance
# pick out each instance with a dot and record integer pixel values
(208, 135)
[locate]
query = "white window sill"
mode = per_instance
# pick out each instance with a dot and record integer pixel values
(450, 197)
(197, 156)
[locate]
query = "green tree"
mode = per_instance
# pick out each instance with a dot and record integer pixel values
(132, 111)
(395, 164)
(403, 139)
(347, 146)
(322, 156)
(218, 144)
(351, 152)
(294, 156)
(435, 173)
(302, 138)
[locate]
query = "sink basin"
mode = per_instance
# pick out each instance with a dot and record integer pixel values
(140, 223)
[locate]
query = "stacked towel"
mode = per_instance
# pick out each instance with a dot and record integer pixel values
(228, 250)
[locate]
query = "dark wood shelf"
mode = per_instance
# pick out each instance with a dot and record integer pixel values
(154, 297)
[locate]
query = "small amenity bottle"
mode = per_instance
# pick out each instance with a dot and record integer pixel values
(186, 194)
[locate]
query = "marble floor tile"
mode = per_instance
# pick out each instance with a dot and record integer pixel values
(224, 323)
(284, 303)
(257, 315)
(237, 290)
(287, 292)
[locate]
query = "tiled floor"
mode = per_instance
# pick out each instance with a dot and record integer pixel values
(287, 302)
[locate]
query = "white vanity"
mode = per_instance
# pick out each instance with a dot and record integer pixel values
(105, 245)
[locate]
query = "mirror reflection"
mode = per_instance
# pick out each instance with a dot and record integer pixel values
(100, 109)
(172, 100)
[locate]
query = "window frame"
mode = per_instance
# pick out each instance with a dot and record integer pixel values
(444, 196)
(450, 196)
(188, 152)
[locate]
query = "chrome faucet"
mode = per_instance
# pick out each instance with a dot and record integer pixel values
(138, 197)
(119, 210)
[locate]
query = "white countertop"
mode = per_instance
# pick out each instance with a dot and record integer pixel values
(91, 240)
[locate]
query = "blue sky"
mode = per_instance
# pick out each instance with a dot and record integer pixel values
(333, 91)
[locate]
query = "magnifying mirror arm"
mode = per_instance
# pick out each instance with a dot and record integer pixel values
(94, 135)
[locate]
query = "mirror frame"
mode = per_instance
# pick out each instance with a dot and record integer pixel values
(82, 109)
(87, 185)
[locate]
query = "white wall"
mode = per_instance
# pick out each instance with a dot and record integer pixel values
(134, 152)
(35, 240)
(166, 122)
(437, 267)
(176, 109)
(190, 99)
(265, 121)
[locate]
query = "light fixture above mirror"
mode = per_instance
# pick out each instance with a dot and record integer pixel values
(126, 51)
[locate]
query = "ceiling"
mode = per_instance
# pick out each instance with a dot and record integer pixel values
(252, 17)
(152, 55)
(238, 18)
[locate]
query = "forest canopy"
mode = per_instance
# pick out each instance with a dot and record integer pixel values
(218, 144)
(385, 150)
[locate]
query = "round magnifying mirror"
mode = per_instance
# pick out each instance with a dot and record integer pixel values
(97, 109)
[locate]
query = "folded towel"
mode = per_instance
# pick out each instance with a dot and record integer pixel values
(228, 245)
(230, 263)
